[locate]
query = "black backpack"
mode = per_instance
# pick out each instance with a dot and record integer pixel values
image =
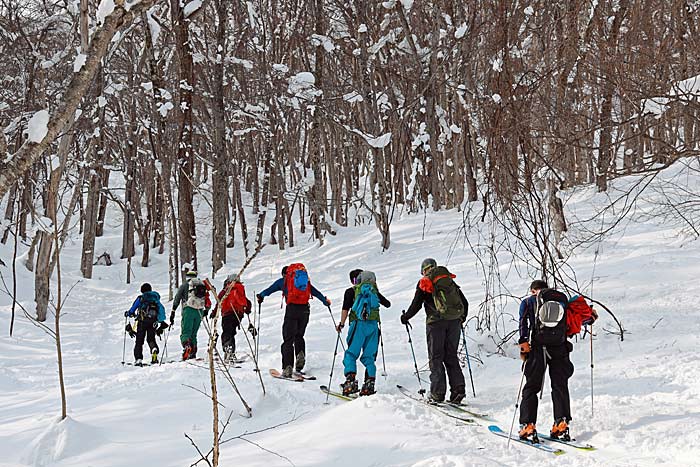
(200, 290)
(550, 318)
(148, 310)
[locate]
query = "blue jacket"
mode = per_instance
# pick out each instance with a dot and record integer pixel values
(151, 297)
(278, 285)
(527, 317)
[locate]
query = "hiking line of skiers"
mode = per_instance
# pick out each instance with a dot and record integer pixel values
(547, 318)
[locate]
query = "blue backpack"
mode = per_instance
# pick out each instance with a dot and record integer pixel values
(366, 296)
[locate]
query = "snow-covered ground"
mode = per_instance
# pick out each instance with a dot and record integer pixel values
(647, 388)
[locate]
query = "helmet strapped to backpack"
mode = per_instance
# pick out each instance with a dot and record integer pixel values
(366, 296)
(550, 317)
(196, 294)
(297, 285)
(446, 295)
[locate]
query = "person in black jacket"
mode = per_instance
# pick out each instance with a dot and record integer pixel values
(443, 330)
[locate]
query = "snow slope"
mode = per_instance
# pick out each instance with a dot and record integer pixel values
(647, 388)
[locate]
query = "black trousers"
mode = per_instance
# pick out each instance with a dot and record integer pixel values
(296, 317)
(230, 324)
(443, 344)
(560, 367)
(144, 330)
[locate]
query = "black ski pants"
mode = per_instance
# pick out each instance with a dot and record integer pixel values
(230, 324)
(296, 317)
(556, 358)
(443, 343)
(144, 330)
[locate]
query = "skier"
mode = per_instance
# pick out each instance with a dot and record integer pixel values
(150, 320)
(234, 304)
(361, 304)
(446, 309)
(297, 290)
(543, 343)
(194, 296)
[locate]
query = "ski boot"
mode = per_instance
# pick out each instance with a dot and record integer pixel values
(368, 387)
(301, 361)
(288, 372)
(435, 398)
(138, 362)
(193, 353)
(154, 356)
(456, 398)
(560, 430)
(529, 433)
(186, 351)
(350, 384)
(229, 356)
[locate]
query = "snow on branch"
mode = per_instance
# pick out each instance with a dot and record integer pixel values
(46, 127)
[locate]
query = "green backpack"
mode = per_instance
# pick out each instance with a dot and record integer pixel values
(448, 300)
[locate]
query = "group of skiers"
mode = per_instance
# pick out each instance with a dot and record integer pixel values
(547, 318)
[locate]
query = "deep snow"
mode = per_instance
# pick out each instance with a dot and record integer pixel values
(647, 410)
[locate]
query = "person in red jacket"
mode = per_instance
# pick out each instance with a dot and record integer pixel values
(234, 305)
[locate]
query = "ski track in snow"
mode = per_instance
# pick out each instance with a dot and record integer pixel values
(647, 394)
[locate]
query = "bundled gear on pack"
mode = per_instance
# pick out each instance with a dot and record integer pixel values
(550, 318)
(297, 284)
(196, 294)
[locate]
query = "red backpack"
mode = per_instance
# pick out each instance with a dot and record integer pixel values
(297, 284)
(234, 300)
(577, 311)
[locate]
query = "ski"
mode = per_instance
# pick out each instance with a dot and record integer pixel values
(325, 390)
(542, 447)
(462, 408)
(276, 374)
(436, 407)
(572, 443)
(304, 375)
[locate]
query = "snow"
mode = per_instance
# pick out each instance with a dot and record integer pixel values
(164, 108)
(353, 97)
(407, 4)
(37, 126)
(280, 67)
(529, 11)
(105, 8)
(153, 25)
(647, 388)
(496, 98)
(461, 31)
(300, 82)
(362, 28)
(191, 7)
(79, 62)
(378, 142)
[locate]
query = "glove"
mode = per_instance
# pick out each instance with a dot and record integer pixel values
(260, 298)
(339, 327)
(172, 317)
(524, 350)
(404, 319)
(127, 314)
(592, 319)
(160, 327)
(251, 329)
(328, 302)
(463, 319)
(130, 330)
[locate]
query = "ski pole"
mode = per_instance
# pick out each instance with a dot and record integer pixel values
(334, 324)
(165, 346)
(469, 365)
(591, 338)
(330, 379)
(517, 405)
(126, 319)
(381, 341)
(257, 341)
(415, 364)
